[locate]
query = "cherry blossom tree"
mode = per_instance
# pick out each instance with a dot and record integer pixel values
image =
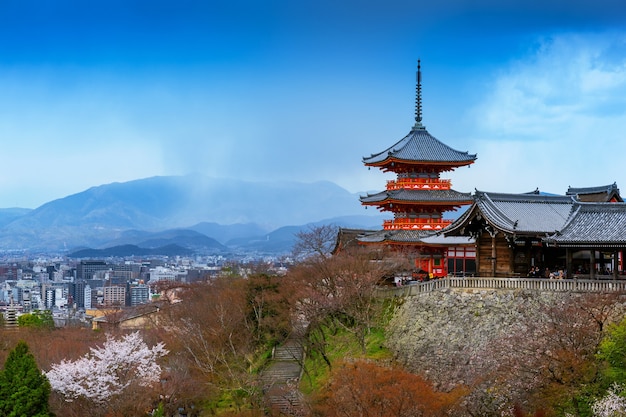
(611, 405)
(109, 370)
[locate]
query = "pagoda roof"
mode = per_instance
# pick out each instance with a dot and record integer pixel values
(593, 225)
(517, 213)
(602, 193)
(413, 196)
(420, 147)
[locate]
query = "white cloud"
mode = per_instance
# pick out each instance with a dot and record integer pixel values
(554, 118)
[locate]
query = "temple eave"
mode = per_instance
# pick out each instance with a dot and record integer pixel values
(451, 205)
(386, 163)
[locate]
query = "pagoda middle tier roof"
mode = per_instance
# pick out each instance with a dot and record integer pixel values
(418, 196)
(419, 146)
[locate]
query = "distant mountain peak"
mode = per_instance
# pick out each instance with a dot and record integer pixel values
(105, 213)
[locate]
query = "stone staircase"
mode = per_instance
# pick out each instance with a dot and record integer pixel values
(280, 379)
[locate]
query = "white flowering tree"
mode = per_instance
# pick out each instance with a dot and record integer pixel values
(108, 370)
(613, 404)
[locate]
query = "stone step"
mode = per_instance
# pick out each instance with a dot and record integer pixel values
(281, 376)
(288, 355)
(289, 403)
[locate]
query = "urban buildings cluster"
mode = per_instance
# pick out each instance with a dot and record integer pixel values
(73, 290)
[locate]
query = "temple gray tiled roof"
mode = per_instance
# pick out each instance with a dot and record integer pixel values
(592, 190)
(439, 239)
(595, 225)
(427, 237)
(518, 213)
(395, 236)
(598, 194)
(526, 213)
(420, 146)
(412, 196)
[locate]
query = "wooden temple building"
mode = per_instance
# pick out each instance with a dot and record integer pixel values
(418, 199)
(580, 234)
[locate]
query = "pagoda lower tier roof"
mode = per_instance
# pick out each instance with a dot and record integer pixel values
(420, 147)
(431, 197)
(413, 237)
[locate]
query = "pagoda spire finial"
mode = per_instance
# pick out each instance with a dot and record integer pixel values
(418, 98)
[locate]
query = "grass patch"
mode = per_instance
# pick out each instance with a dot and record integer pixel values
(341, 346)
(261, 360)
(375, 345)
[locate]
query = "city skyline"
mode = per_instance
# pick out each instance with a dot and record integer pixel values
(98, 93)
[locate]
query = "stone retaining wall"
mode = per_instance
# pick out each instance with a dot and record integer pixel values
(444, 334)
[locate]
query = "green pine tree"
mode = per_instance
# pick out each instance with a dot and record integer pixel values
(24, 389)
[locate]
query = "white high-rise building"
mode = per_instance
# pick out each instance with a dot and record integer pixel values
(87, 297)
(59, 298)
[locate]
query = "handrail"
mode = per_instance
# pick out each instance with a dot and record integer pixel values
(408, 223)
(535, 284)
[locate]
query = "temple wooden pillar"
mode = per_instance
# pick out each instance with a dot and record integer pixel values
(493, 254)
(592, 263)
(615, 264)
(512, 260)
(568, 263)
(477, 257)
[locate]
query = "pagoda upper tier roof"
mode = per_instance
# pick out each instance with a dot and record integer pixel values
(420, 147)
(418, 196)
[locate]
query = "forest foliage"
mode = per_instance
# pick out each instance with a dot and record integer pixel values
(205, 349)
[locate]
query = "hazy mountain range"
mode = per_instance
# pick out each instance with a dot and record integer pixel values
(189, 213)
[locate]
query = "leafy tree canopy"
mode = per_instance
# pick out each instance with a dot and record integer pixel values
(612, 352)
(40, 319)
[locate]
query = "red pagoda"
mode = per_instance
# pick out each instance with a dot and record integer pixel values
(418, 197)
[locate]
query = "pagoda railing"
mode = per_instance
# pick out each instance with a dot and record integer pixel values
(415, 224)
(490, 283)
(419, 184)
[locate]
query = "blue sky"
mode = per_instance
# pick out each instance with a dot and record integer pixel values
(98, 92)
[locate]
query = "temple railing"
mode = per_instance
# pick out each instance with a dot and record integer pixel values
(408, 223)
(419, 184)
(490, 283)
